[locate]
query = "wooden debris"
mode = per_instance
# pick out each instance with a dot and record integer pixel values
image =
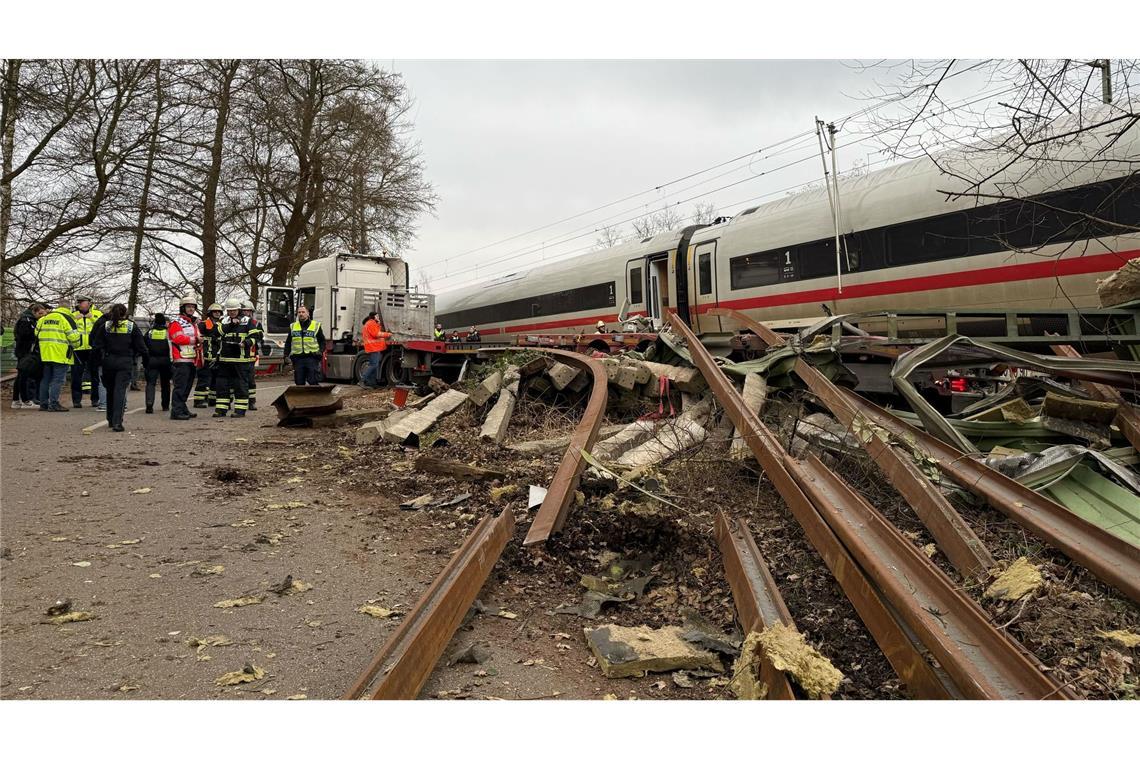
(420, 420)
(495, 425)
(456, 469)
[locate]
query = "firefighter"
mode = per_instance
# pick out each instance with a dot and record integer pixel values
(250, 367)
(600, 327)
(204, 393)
(157, 364)
(117, 341)
(85, 370)
(304, 347)
(185, 355)
(473, 335)
(236, 349)
(58, 337)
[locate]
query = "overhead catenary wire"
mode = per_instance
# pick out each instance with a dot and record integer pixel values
(589, 230)
(657, 188)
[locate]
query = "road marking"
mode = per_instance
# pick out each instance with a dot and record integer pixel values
(92, 428)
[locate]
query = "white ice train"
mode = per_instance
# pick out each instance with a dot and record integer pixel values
(908, 247)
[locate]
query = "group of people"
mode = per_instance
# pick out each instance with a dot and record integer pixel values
(472, 336)
(100, 350)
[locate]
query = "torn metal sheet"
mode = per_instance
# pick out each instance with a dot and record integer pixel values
(1098, 500)
(298, 404)
(1109, 371)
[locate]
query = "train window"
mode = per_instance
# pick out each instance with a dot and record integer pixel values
(932, 239)
(635, 292)
(704, 273)
(1126, 210)
(758, 269)
(816, 259)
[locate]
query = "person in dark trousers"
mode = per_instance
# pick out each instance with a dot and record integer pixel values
(117, 341)
(185, 355)
(156, 361)
(210, 329)
(250, 367)
(236, 350)
(85, 370)
(304, 347)
(58, 338)
(28, 365)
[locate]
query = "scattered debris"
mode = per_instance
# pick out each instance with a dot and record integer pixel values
(1019, 579)
(148, 489)
(248, 674)
(61, 607)
(623, 652)
(474, 653)
(1127, 638)
(208, 570)
(241, 601)
(70, 617)
(456, 469)
(788, 651)
(375, 611)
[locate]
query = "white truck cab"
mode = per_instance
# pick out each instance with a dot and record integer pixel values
(340, 290)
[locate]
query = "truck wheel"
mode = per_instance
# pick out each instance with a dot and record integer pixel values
(392, 370)
(358, 367)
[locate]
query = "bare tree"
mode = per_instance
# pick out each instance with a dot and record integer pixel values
(608, 237)
(659, 221)
(703, 213)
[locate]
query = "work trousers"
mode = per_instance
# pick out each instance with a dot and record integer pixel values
(230, 383)
(117, 371)
(306, 369)
(84, 377)
(27, 386)
(206, 390)
(250, 382)
(51, 383)
(183, 376)
(371, 375)
(154, 372)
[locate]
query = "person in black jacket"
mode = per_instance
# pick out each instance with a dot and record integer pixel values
(25, 394)
(157, 363)
(118, 341)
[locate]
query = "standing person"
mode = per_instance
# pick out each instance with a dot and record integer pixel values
(473, 335)
(439, 331)
(250, 366)
(117, 341)
(85, 370)
(185, 355)
(58, 338)
(28, 365)
(304, 346)
(236, 350)
(210, 329)
(156, 361)
(375, 344)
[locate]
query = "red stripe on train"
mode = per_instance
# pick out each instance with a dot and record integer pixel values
(1107, 262)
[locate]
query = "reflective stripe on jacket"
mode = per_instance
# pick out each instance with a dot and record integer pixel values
(57, 335)
(303, 340)
(185, 341)
(236, 341)
(84, 323)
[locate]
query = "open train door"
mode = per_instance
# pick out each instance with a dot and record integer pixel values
(703, 291)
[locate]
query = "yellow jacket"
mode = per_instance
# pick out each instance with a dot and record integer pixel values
(84, 323)
(58, 336)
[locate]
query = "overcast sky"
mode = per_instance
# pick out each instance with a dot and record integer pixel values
(515, 145)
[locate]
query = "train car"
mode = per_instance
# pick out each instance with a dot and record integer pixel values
(906, 245)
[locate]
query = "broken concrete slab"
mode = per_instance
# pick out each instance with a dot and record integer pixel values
(483, 392)
(556, 445)
(635, 651)
(755, 395)
(641, 373)
(561, 375)
(374, 431)
(686, 379)
(499, 418)
(630, 436)
(534, 366)
(671, 438)
(419, 421)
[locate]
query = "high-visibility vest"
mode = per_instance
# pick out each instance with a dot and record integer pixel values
(304, 340)
(58, 336)
(84, 323)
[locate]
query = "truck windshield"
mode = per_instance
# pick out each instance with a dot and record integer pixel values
(278, 310)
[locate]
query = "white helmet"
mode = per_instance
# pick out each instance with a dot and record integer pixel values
(247, 305)
(232, 304)
(190, 299)
(601, 324)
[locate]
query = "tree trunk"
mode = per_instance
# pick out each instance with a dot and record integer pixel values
(8, 138)
(136, 257)
(210, 196)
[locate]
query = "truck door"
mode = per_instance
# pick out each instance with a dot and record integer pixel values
(703, 293)
(278, 312)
